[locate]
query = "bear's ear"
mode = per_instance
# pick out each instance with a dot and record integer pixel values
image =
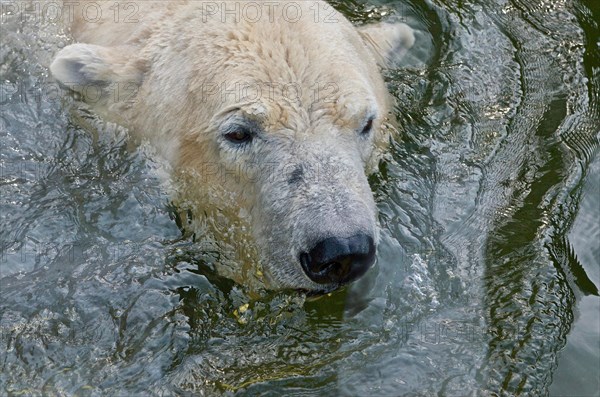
(81, 66)
(388, 42)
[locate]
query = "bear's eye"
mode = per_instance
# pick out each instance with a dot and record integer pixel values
(239, 136)
(368, 127)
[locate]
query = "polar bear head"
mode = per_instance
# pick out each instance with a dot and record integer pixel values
(272, 125)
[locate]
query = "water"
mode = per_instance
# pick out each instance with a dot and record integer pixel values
(487, 277)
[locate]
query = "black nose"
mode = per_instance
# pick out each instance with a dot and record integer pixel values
(339, 260)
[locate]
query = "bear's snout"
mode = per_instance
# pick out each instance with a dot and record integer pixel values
(339, 260)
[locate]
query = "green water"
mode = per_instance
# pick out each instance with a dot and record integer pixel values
(487, 273)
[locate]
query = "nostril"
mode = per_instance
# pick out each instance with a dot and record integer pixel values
(339, 260)
(314, 266)
(305, 261)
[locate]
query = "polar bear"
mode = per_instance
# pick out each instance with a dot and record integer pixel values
(270, 113)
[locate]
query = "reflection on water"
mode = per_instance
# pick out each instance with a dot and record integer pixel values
(488, 266)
